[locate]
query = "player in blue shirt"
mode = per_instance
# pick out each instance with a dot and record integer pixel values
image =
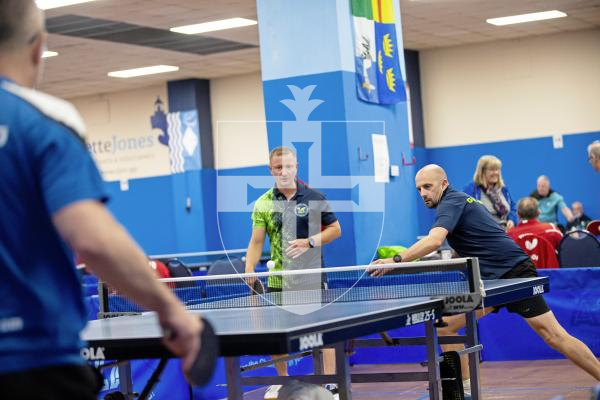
(472, 232)
(51, 205)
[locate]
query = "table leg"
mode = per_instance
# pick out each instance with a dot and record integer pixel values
(234, 378)
(473, 340)
(125, 381)
(318, 361)
(343, 372)
(433, 366)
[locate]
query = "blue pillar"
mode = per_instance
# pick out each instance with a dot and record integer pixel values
(194, 208)
(307, 57)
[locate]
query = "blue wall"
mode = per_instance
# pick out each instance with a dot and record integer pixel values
(158, 219)
(522, 162)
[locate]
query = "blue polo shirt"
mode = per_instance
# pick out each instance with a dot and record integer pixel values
(473, 232)
(44, 166)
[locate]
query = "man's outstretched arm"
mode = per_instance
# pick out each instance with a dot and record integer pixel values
(108, 250)
(424, 246)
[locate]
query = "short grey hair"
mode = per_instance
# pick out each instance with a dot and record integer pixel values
(594, 149)
(527, 208)
(281, 150)
(20, 22)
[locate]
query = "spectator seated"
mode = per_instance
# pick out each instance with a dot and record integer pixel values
(540, 250)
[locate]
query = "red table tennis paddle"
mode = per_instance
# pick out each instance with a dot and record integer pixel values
(594, 227)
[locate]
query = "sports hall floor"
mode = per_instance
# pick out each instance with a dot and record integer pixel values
(528, 380)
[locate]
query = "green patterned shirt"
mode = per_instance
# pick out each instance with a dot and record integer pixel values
(278, 216)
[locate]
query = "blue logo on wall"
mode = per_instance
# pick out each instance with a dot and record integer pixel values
(587, 312)
(181, 134)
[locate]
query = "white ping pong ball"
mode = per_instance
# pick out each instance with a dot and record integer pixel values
(270, 264)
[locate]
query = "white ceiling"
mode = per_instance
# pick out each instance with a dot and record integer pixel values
(82, 65)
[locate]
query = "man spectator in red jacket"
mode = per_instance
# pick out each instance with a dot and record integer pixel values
(528, 211)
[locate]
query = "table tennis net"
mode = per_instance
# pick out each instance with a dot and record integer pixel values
(326, 285)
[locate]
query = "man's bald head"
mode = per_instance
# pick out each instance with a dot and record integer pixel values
(431, 181)
(432, 171)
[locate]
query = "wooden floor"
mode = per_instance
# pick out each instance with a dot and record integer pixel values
(527, 380)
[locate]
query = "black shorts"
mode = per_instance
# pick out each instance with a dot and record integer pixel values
(62, 382)
(531, 307)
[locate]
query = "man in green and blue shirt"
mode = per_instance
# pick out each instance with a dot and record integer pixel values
(299, 221)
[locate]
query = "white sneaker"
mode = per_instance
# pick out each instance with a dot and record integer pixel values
(272, 392)
(333, 388)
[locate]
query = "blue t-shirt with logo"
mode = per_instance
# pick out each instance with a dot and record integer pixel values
(473, 232)
(44, 166)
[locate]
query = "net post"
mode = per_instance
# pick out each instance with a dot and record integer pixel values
(474, 275)
(102, 300)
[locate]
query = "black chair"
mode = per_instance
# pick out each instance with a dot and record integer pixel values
(579, 249)
(226, 266)
(178, 269)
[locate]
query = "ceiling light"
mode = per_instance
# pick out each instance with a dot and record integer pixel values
(517, 19)
(155, 69)
(214, 26)
(48, 4)
(48, 53)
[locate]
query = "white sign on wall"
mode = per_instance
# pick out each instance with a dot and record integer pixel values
(150, 144)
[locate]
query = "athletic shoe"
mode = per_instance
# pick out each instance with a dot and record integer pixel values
(272, 392)
(332, 387)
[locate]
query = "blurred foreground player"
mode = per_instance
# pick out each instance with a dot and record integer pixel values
(51, 204)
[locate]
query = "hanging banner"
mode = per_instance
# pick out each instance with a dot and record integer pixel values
(377, 55)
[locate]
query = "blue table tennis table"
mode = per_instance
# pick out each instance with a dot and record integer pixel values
(273, 330)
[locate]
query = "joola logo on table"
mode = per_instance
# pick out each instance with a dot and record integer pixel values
(539, 289)
(93, 353)
(423, 316)
(465, 298)
(311, 341)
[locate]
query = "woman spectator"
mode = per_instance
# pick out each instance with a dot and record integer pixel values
(488, 187)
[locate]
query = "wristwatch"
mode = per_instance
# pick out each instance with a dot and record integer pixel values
(397, 258)
(311, 243)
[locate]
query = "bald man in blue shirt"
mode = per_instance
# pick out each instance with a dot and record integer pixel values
(472, 232)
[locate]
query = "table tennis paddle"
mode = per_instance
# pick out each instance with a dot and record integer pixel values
(203, 367)
(258, 287)
(594, 227)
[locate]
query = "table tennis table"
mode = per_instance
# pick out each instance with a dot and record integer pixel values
(268, 330)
